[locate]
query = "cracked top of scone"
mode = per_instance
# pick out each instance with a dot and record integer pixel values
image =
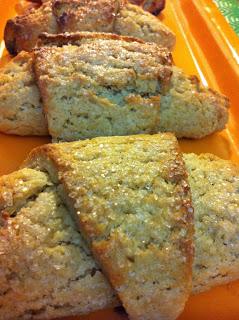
(132, 202)
(101, 85)
(45, 267)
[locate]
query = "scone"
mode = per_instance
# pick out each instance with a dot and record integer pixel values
(183, 106)
(56, 16)
(131, 201)
(102, 85)
(46, 271)
(215, 192)
(117, 84)
(20, 101)
(190, 110)
(36, 224)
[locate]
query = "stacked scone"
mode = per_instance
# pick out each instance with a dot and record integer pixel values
(132, 237)
(124, 218)
(83, 85)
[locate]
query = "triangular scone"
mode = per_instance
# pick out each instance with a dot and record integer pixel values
(34, 223)
(113, 85)
(186, 108)
(131, 200)
(21, 33)
(46, 271)
(56, 16)
(214, 184)
(104, 85)
(21, 110)
(190, 110)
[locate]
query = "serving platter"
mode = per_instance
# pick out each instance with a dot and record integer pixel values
(206, 46)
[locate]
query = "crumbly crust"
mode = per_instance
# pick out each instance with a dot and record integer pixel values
(133, 21)
(46, 271)
(21, 110)
(131, 200)
(21, 33)
(186, 108)
(103, 86)
(215, 191)
(190, 110)
(31, 198)
(76, 38)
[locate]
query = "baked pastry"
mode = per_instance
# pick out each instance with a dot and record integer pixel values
(132, 203)
(46, 269)
(56, 16)
(103, 85)
(190, 110)
(117, 87)
(215, 192)
(185, 107)
(20, 101)
(55, 250)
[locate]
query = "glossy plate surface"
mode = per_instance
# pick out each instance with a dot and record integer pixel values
(208, 47)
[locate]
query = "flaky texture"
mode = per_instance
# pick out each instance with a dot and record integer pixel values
(32, 199)
(46, 271)
(20, 101)
(186, 108)
(183, 106)
(103, 86)
(56, 16)
(190, 110)
(215, 190)
(130, 198)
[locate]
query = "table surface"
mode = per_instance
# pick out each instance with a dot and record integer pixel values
(230, 9)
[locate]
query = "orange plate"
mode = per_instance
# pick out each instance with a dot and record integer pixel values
(207, 46)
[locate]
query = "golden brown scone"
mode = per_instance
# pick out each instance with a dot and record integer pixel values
(46, 271)
(103, 86)
(185, 108)
(133, 21)
(21, 33)
(20, 101)
(131, 200)
(56, 16)
(190, 110)
(212, 181)
(215, 191)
